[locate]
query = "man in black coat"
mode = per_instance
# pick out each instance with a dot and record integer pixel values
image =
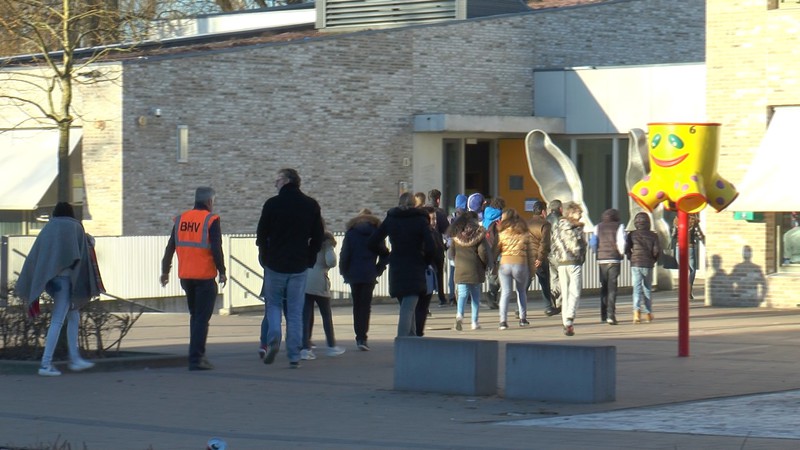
(289, 236)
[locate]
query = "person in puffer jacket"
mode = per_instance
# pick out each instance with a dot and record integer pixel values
(471, 255)
(642, 249)
(569, 251)
(517, 264)
(360, 267)
(608, 243)
(409, 233)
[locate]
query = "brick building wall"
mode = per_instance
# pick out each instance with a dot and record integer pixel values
(339, 108)
(98, 109)
(752, 63)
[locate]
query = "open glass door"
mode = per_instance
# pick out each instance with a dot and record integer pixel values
(452, 173)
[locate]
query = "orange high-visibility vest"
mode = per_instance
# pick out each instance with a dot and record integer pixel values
(195, 260)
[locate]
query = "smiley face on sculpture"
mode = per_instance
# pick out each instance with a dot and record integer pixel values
(683, 169)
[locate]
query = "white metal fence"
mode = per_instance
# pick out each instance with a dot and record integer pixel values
(131, 267)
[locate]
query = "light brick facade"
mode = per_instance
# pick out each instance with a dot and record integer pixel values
(753, 62)
(339, 108)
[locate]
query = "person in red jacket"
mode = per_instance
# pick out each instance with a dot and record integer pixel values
(197, 238)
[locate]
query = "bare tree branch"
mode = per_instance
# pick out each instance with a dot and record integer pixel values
(63, 38)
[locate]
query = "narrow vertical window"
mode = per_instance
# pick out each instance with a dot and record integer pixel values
(183, 143)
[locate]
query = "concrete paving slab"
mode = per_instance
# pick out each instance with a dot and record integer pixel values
(760, 415)
(348, 401)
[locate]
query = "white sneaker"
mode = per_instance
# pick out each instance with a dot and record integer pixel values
(307, 355)
(79, 365)
(49, 371)
(335, 351)
(476, 326)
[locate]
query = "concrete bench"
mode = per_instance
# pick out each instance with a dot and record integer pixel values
(447, 366)
(566, 373)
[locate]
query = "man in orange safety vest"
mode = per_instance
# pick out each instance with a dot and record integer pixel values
(197, 239)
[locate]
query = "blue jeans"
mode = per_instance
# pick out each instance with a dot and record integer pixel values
(406, 323)
(510, 274)
(642, 279)
(59, 289)
(285, 290)
(472, 290)
(692, 264)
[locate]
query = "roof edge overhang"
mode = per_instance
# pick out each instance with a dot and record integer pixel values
(448, 123)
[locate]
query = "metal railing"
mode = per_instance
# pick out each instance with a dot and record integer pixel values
(131, 267)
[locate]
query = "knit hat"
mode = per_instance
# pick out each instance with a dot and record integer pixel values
(461, 202)
(475, 202)
(490, 215)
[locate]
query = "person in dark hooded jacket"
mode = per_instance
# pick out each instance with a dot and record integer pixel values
(408, 230)
(608, 242)
(490, 221)
(642, 249)
(424, 303)
(434, 201)
(360, 267)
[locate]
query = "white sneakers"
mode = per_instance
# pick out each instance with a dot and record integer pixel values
(476, 326)
(335, 351)
(75, 366)
(80, 365)
(308, 355)
(49, 371)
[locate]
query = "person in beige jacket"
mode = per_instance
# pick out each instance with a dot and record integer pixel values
(318, 290)
(517, 264)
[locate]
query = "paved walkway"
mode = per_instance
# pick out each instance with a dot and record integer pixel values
(739, 389)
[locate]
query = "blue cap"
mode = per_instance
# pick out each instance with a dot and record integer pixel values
(461, 201)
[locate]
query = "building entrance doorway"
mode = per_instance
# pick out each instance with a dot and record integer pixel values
(477, 164)
(468, 168)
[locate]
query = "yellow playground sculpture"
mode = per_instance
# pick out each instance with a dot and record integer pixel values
(683, 169)
(683, 176)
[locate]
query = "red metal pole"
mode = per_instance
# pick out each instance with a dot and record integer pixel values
(683, 283)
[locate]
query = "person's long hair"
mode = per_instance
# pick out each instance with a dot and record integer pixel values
(510, 219)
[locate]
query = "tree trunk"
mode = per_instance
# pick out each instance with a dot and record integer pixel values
(63, 162)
